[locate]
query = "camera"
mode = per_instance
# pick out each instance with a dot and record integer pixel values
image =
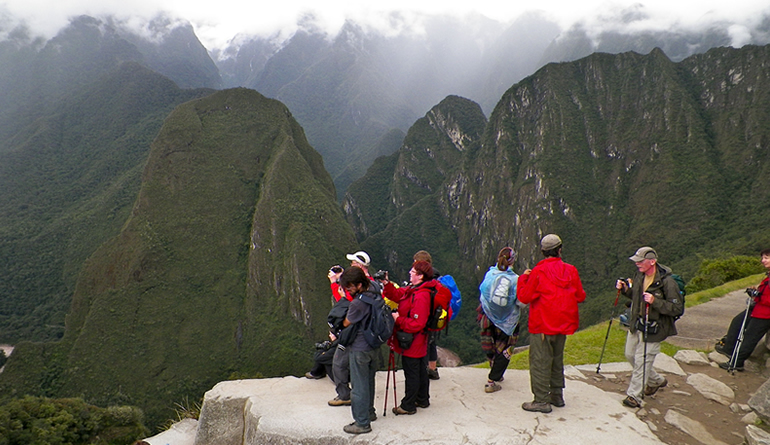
(324, 345)
(753, 293)
(337, 269)
(381, 275)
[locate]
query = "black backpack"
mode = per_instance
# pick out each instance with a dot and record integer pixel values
(378, 327)
(682, 292)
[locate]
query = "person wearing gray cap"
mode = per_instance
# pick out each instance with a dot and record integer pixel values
(655, 302)
(553, 290)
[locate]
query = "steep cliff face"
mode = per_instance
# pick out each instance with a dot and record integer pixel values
(611, 152)
(220, 269)
(395, 205)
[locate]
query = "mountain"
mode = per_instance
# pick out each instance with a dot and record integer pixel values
(218, 271)
(611, 152)
(36, 74)
(349, 89)
(68, 181)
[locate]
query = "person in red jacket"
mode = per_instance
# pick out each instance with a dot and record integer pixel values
(553, 290)
(413, 311)
(757, 323)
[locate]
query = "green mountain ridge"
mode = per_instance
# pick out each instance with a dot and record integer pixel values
(219, 269)
(611, 152)
(69, 180)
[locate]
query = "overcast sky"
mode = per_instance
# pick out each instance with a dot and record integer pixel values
(218, 21)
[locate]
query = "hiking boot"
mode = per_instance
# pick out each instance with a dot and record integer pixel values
(536, 407)
(339, 402)
(313, 376)
(422, 405)
(355, 428)
(726, 365)
(650, 390)
(720, 348)
(631, 402)
(397, 410)
(433, 374)
(556, 400)
(372, 417)
(492, 387)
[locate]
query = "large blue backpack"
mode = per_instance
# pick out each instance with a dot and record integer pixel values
(457, 299)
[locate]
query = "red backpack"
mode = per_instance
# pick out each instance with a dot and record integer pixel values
(441, 310)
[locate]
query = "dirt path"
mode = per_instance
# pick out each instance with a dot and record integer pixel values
(699, 328)
(702, 325)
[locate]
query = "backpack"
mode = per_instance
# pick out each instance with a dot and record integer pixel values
(441, 310)
(378, 327)
(457, 298)
(682, 292)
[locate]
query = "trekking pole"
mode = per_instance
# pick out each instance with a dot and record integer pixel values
(734, 357)
(644, 339)
(387, 383)
(612, 316)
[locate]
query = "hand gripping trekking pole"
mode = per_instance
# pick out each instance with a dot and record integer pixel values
(644, 339)
(736, 349)
(612, 316)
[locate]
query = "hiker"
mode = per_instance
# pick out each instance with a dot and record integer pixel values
(423, 255)
(756, 324)
(655, 302)
(340, 369)
(410, 338)
(361, 355)
(553, 290)
(498, 316)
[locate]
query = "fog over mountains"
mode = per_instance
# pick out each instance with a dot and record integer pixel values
(161, 231)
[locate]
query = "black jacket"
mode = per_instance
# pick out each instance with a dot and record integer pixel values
(667, 305)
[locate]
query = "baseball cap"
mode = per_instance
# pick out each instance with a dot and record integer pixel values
(550, 241)
(644, 253)
(360, 256)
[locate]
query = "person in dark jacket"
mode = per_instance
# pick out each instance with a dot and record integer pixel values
(553, 290)
(757, 323)
(411, 318)
(655, 301)
(362, 356)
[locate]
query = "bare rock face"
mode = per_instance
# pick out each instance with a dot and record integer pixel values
(760, 401)
(691, 427)
(757, 436)
(691, 357)
(712, 389)
(293, 410)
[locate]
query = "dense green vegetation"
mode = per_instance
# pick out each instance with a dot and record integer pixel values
(44, 421)
(69, 181)
(220, 268)
(612, 152)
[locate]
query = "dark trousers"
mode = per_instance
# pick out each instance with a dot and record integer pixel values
(362, 371)
(499, 365)
(546, 365)
(755, 329)
(341, 371)
(432, 349)
(417, 385)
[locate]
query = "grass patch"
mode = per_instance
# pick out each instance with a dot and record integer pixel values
(703, 296)
(585, 346)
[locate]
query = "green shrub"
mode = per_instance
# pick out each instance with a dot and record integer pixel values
(713, 272)
(3, 358)
(44, 421)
